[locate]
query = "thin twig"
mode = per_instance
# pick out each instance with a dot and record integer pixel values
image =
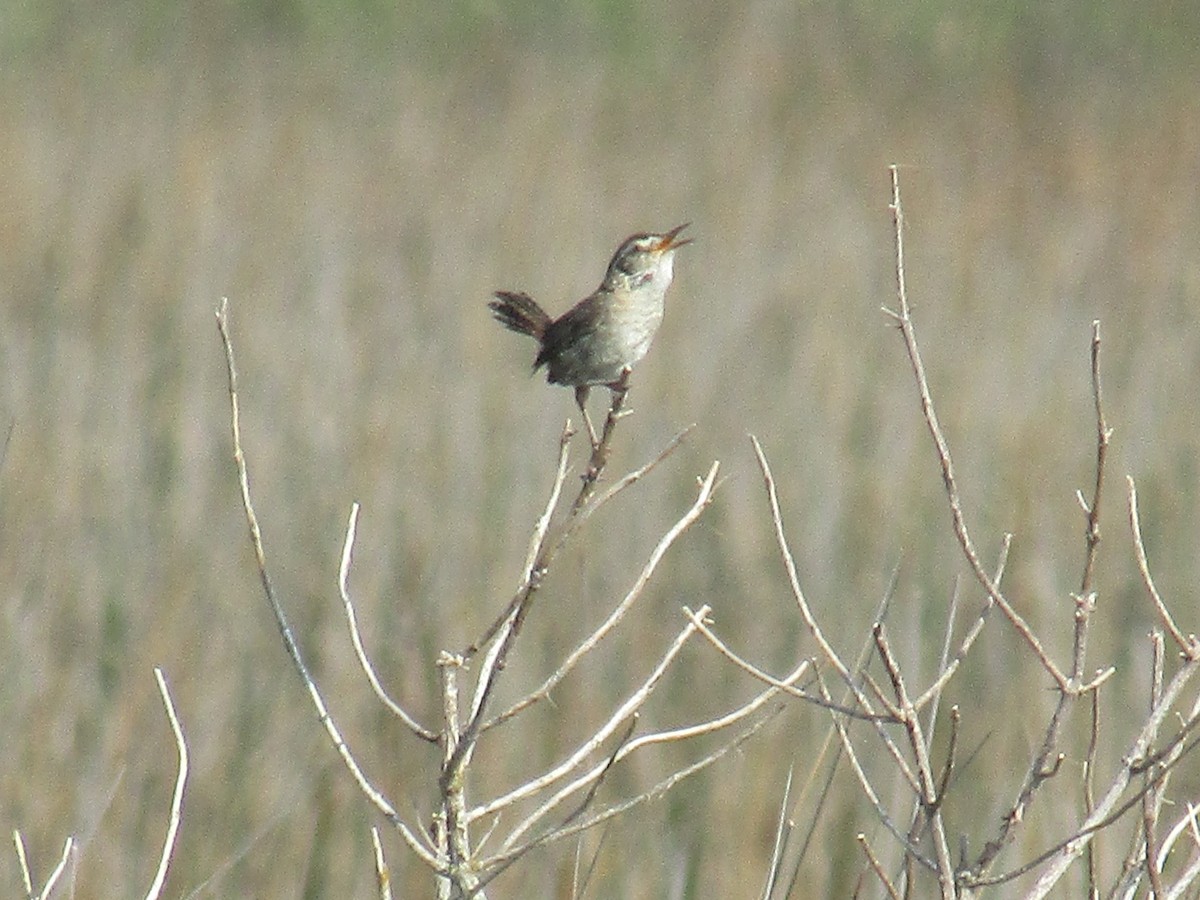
(1069, 686)
(928, 793)
(863, 659)
(810, 620)
(903, 319)
(636, 475)
(1069, 845)
(918, 820)
(600, 452)
(1189, 646)
(783, 829)
(360, 651)
(23, 862)
(1187, 823)
(1089, 792)
(877, 867)
(373, 795)
(800, 693)
(160, 876)
(580, 809)
(947, 671)
(1152, 799)
(1092, 509)
(536, 558)
(48, 887)
(870, 793)
(1066, 852)
(383, 876)
(789, 564)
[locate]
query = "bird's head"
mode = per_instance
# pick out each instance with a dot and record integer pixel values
(645, 258)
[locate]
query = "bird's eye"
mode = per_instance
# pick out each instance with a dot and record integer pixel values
(628, 262)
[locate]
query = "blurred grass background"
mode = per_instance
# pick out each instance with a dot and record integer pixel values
(357, 177)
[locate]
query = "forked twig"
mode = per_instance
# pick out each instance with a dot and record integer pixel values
(928, 790)
(814, 628)
(1109, 808)
(869, 791)
(509, 625)
(27, 875)
(623, 806)
(703, 499)
(719, 723)
(580, 808)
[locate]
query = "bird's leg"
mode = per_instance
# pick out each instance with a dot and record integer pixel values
(619, 389)
(581, 395)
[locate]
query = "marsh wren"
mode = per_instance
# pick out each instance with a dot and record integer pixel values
(600, 338)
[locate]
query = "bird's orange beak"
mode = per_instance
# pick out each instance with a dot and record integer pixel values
(669, 240)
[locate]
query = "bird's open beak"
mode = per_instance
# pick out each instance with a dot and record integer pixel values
(669, 240)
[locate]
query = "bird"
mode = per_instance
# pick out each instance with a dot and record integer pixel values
(600, 338)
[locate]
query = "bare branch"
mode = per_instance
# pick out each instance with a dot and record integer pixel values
(1092, 510)
(1152, 798)
(789, 564)
(1084, 834)
(373, 795)
(1070, 850)
(1089, 791)
(505, 860)
(1188, 823)
(624, 806)
(600, 452)
(814, 628)
(904, 320)
(636, 475)
(710, 726)
(633, 703)
(866, 651)
(767, 678)
(27, 877)
(67, 853)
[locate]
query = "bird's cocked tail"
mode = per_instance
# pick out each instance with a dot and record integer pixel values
(520, 313)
